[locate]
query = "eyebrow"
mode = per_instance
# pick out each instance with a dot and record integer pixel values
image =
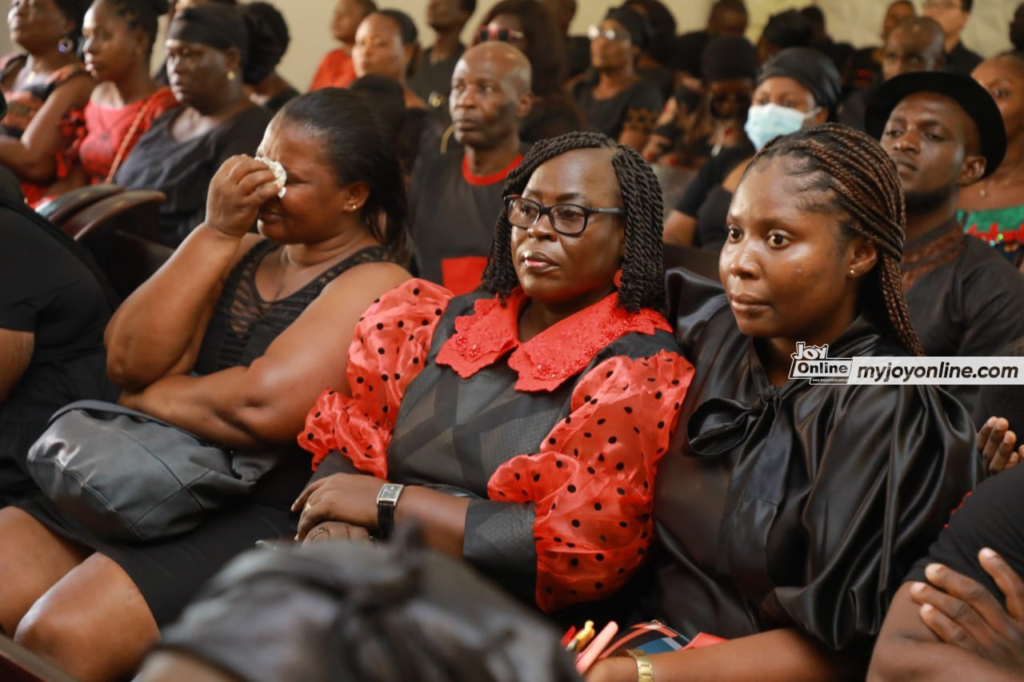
(561, 198)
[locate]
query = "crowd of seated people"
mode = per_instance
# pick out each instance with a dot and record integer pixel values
(433, 296)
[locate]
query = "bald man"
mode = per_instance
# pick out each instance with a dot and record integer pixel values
(456, 198)
(915, 44)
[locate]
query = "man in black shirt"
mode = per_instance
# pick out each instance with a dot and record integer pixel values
(577, 48)
(433, 78)
(944, 132)
(953, 15)
(456, 198)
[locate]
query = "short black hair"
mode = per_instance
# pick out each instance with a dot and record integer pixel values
(468, 6)
(643, 270)
(358, 149)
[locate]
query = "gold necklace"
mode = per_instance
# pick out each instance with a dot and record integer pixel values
(1009, 181)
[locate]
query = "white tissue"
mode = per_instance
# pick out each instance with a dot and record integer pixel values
(280, 175)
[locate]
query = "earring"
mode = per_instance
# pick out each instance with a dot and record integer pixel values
(852, 273)
(231, 75)
(66, 45)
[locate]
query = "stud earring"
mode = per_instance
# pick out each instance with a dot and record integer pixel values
(65, 45)
(231, 75)
(852, 273)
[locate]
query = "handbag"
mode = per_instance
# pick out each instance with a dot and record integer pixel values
(128, 476)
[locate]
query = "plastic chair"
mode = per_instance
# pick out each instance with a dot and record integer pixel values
(704, 263)
(59, 209)
(121, 233)
(18, 664)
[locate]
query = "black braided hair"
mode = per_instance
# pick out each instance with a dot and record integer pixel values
(141, 15)
(863, 180)
(642, 268)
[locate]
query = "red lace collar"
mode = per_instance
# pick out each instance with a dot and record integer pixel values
(544, 362)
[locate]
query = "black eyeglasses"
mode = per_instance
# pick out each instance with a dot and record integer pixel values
(567, 219)
(503, 35)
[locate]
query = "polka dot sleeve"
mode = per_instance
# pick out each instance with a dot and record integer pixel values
(388, 351)
(592, 481)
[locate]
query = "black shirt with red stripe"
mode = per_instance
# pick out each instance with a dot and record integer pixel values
(454, 215)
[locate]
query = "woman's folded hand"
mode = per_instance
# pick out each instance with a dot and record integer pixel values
(350, 498)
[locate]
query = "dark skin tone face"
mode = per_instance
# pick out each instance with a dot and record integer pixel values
(562, 275)
(512, 23)
(612, 54)
(308, 212)
(910, 49)
(730, 99)
(935, 146)
(1003, 77)
(199, 73)
(490, 95)
(345, 21)
(444, 14)
(379, 50)
(112, 47)
(786, 266)
(896, 13)
(727, 22)
(37, 25)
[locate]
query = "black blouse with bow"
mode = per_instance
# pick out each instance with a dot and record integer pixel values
(799, 505)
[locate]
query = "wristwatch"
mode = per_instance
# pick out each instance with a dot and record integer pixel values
(644, 667)
(387, 500)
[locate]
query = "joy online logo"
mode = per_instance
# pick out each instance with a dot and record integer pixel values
(813, 363)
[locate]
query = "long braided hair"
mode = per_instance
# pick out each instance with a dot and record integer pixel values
(866, 187)
(642, 269)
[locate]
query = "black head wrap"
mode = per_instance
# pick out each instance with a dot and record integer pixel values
(728, 58)
(788, 29)
(75, 11)
(811, 69)
(640, 32)
(269, 31)
(221, 27)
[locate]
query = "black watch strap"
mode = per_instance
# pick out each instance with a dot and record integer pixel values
(387, 501)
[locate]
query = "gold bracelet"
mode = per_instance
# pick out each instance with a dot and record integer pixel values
(644, 667)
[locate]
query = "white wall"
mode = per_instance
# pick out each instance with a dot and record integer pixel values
(856, 21)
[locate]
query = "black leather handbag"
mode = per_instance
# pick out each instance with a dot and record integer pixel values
(131, 477)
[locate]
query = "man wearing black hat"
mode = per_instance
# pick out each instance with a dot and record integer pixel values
(944, 132)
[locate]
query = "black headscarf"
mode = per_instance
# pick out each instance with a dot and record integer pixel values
(640, 32)
(811, 69)
(728, 58)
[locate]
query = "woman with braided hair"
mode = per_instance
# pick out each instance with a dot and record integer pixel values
(526, 419)
(791, 511)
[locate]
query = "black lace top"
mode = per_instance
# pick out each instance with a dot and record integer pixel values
(244, 325)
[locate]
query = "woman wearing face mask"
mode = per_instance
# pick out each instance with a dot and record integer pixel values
(797, 88)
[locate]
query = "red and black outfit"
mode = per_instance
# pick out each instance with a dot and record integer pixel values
(454, 213)
(112, 132)
(556, 439)
(24, 104)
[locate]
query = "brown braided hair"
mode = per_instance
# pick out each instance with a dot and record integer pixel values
(642, 268)
(866, 187)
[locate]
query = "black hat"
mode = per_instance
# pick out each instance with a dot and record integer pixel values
(640, 31)
(810, 68)
(962, 89)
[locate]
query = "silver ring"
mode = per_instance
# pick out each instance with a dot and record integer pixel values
(317, 531)
(308, 508)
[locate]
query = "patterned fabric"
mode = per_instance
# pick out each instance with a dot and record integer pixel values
(107, 127)
(560, 469)
(244, 325)
(1000, 228)
(940, 246)
(23, 105)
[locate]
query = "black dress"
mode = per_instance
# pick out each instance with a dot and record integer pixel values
(799, 505)
(48, 290)
(170, 572)
(635, 108)
(182, 169)
(708, 201)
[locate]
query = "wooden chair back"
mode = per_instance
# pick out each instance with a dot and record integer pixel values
(59, 209)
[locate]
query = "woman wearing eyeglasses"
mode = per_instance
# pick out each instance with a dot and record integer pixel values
(620, 104)
(525, 420)
(527, 26)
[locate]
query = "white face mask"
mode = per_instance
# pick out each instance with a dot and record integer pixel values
(765, 122)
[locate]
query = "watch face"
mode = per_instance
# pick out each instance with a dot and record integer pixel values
(389, 493)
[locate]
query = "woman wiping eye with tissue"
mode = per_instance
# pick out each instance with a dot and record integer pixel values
(280, 174)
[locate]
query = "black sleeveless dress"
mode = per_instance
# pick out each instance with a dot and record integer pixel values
(170, 572)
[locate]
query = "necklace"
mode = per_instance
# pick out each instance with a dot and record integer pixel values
(1009, 181)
